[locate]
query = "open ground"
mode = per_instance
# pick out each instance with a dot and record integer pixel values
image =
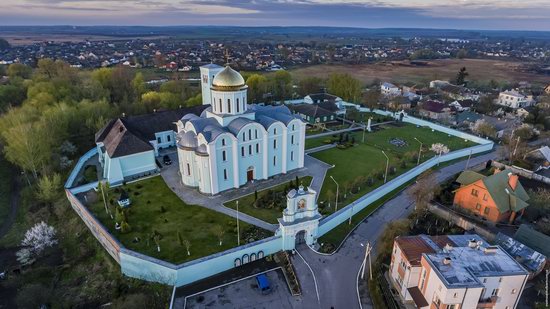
(481, 70)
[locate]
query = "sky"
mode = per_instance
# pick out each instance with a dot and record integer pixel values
(446, 14)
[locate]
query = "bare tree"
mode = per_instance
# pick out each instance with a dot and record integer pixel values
(187, 245)
(424, 190)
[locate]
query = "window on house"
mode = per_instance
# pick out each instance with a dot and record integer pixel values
(249, 134)
(478, 206)
(514, 291)
(274, 144)
(168, 138)
(495, 292)
(292, 156)
(244, 137)
(474, 192)
(159, 140)
(188, 169)
(486, 210)
(455, 295)
(484, 197)
(228, 105)
(485, 280)
(255, 133)
(274, 160)
(225, 174)
(274, 130)
(224, 157)
(220, 106)
(223, 141)
(238, 105)
(242, 151)
(257, 148)
(249, 149)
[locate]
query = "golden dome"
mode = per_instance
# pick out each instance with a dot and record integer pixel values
(228, 80)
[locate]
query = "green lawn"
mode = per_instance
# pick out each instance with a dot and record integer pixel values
(156, 208)
(270, 215)
(366, 159)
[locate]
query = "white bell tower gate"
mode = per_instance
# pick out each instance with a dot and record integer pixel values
(300, 220)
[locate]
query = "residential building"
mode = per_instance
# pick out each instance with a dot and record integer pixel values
(232, 143)
(435, 110)
(532, 260)
(313, 113)
(496, 198)
(389, 89)
(317, 98)
(455, 271)
(513, 99)
(128, 146)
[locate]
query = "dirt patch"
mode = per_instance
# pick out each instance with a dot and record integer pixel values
(400, 72)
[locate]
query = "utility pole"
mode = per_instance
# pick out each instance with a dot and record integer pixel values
(387, 165)
(368, 249)
(419, 151)
(468, 162)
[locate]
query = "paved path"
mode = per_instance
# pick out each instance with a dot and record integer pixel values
(14, 206)
(312, 167)
(320, 148)
(336, 274)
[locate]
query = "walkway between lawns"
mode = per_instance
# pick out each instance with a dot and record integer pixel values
(312, 167)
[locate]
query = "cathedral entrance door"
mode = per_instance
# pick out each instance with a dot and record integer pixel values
(250, 174)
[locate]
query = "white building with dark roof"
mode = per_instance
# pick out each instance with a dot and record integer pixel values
(231, 142)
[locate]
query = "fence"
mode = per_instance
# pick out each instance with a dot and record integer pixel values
(79, 165)
(144, 267)
(137, 265)
(332, 221)
(459, 220)
(523, 172)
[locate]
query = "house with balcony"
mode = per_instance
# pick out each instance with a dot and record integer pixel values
(455, 271)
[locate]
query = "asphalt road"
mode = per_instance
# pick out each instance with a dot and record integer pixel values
(336, 274)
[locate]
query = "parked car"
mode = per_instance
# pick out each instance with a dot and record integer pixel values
(263, 284)
(166, 159)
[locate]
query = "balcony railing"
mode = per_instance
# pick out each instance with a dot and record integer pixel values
(487, 302)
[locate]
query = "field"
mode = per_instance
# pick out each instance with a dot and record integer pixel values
(367, 160)
(270, 215)
(481, 70)
(155, 208)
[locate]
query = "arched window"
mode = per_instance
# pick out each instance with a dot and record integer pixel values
(224, 156)
(257, 148)
(274, 144)
(188, 169)
(223, 141)
(250, 149)
(274, 160)
(255, 134)
(245, 258)
(242, 151)
(292, 127)
(238, 261)
(228, 105)
(274, 130)
(224, 174)
(292, 139)
(238, 105)
(249, 133)
(292, 156)
(252, 257)
(220, 106)
(260, 254)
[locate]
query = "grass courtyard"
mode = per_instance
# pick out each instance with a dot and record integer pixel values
(367, 160)
(272, 208)
(155, 209)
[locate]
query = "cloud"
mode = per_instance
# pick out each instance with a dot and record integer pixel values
(468, 14)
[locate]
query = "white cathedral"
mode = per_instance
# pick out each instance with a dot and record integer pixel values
(232, 142)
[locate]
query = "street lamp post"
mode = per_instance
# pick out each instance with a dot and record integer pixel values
(351, 214)
(387, 165)
(238, 231)
(419, 151)
(337, 188)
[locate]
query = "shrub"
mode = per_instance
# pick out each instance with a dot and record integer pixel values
(392, 170)
(125, 227)
(162, 209)
(327, 141)
(403, 164)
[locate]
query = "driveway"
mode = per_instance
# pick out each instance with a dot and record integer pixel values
(336, 274)
(312, 167)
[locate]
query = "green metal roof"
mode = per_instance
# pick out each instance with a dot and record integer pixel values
(469, 177)
(505, 198)
(533, 239)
